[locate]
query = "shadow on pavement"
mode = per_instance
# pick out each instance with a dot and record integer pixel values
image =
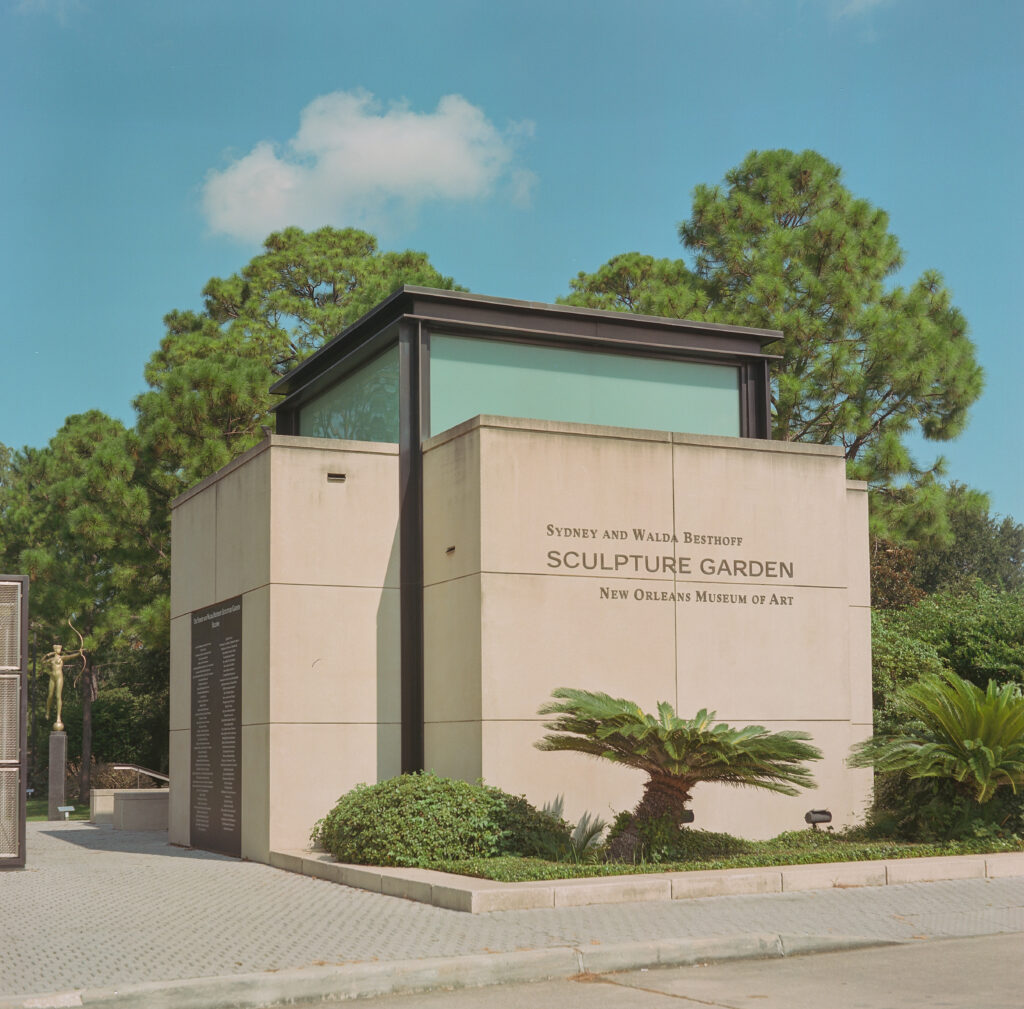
(103, 837)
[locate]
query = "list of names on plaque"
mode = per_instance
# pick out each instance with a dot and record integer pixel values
(215, 814)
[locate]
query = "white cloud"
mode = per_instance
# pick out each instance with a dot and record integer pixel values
(352, 162)
(59, 9)
(854, 8)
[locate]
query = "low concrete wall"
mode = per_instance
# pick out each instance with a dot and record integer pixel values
(101, 804)
(130, 808)
(479, 896)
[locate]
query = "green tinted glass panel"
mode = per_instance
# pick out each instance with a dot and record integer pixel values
(363, 406)
(470, 376)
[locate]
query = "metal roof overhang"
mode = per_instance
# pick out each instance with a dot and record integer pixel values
(528, 321)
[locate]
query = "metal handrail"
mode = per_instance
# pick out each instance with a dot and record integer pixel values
(156, 775)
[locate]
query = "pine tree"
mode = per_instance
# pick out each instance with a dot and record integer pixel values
(210, 379)
(864, 363)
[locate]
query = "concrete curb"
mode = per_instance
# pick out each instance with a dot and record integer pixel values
(342, 982)
(480, 896)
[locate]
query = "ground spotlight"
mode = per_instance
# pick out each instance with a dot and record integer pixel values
(816, 816)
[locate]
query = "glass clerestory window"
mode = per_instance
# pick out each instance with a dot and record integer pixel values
(472, 376)
(363, 406)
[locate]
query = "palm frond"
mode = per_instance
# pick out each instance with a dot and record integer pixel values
(956, 731)
(690, 750)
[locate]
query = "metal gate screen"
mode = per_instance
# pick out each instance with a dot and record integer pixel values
(9, 827)
(12, 723)
(10, 625)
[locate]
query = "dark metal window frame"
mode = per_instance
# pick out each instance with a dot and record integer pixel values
(538, 325)
(408, 317)
(746, 384)
(370, 348)
(18, 862)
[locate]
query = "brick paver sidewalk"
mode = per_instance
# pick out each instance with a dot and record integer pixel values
(98, 908)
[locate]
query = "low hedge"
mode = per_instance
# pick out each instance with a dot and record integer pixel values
(422, 820)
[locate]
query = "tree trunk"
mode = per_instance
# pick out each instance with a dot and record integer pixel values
(88, 696)
(663, 796)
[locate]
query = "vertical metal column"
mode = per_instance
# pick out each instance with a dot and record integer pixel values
(410, 478)
(13, 718)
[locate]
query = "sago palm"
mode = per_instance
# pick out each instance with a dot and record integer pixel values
(675, 753)
(955, 730)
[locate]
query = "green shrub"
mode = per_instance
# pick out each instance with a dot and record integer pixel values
(928, 809)
(898, 659)
(977, 632)
(661, 840)
(420, 819)
(955, 732)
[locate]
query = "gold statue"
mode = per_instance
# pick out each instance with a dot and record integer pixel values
(56, 659)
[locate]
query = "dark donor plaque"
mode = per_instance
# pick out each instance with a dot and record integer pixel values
(215, 814)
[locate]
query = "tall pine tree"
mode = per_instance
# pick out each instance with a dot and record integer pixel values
(783, 244)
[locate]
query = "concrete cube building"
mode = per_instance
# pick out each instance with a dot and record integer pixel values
(470, 502)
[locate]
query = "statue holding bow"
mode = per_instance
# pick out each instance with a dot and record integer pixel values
(57, 658)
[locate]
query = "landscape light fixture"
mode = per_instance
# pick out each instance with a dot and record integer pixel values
(816, 816)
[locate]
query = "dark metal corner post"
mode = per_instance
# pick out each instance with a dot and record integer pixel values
(755, 400)
(21, 764)
(410, 484)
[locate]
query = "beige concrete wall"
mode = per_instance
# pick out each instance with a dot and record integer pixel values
(130, 808)
(768, 626)
(140, 809)
(516, 516)
(316, 564)
(101, 805)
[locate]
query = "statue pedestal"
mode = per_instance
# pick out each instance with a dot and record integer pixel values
(58, 773)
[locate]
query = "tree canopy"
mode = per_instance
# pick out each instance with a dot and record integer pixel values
(984, 546)
(784, 245)
(76, 519)
(87, 517)
(210, 378)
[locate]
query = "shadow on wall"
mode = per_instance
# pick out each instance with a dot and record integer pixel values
(389, 670)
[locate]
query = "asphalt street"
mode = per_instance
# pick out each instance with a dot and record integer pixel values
(983, 972)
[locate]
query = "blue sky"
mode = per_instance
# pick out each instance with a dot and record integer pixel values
(150, 145)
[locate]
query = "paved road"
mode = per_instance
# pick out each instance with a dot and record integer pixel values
(104, 909)
(979, 973)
